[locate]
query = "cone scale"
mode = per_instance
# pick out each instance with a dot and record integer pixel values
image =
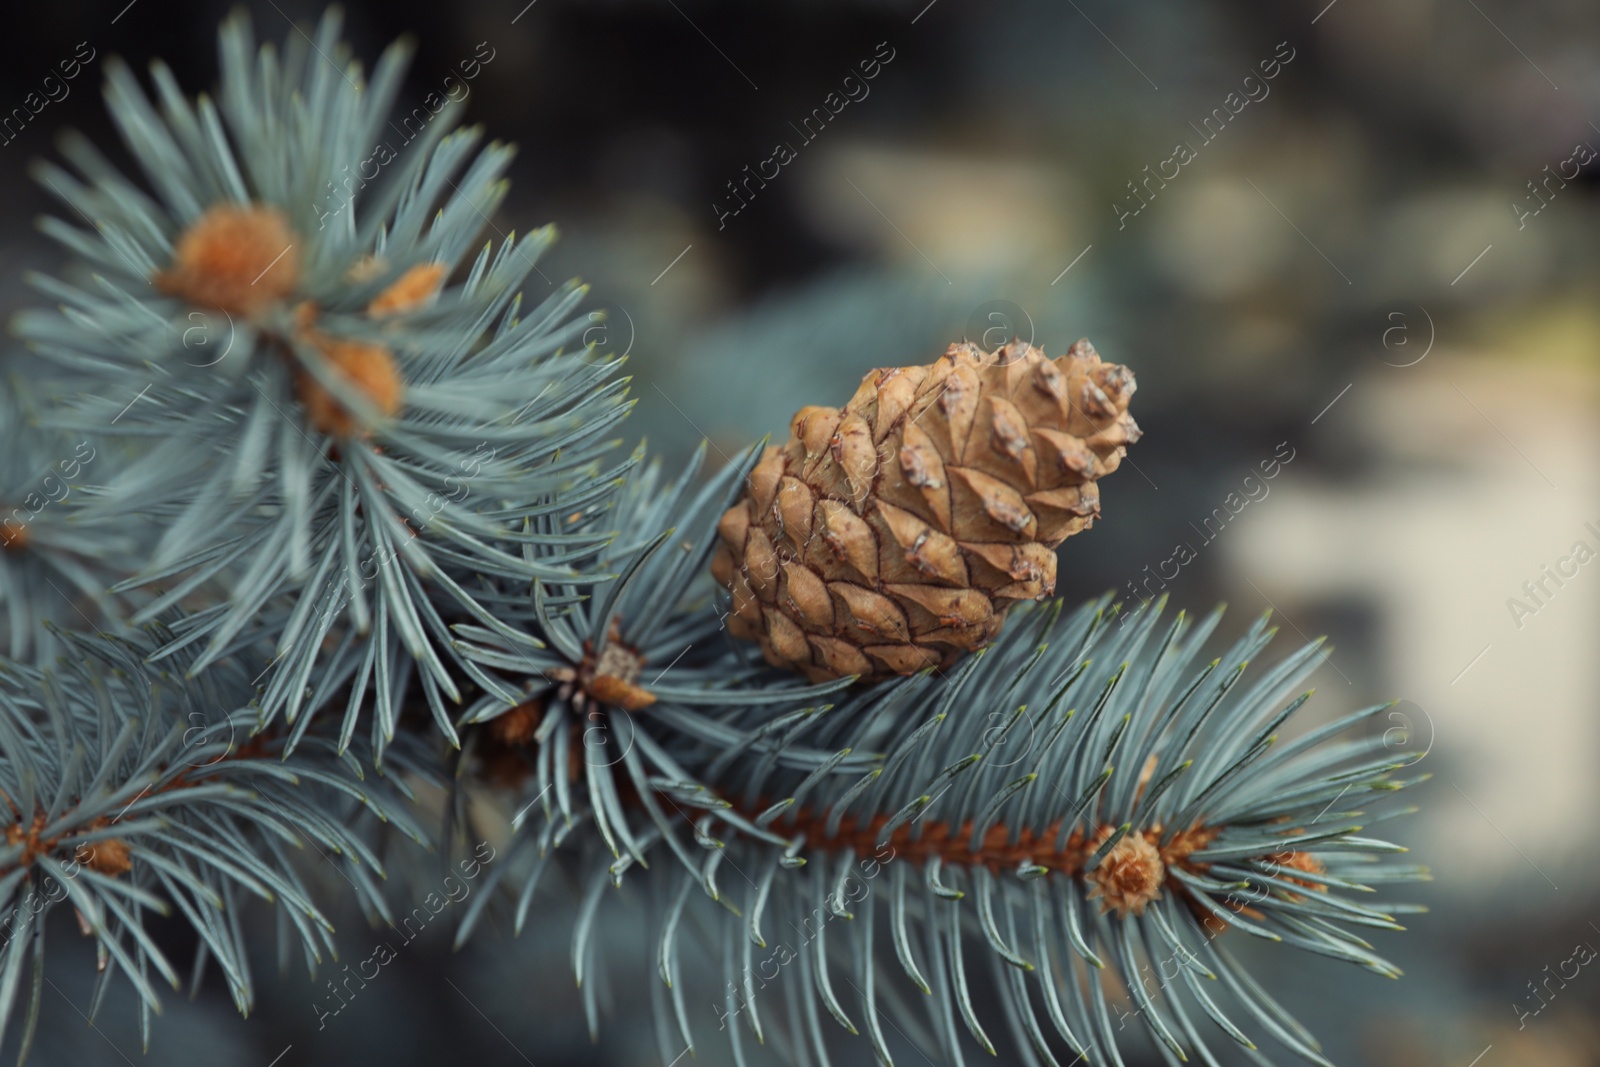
(892, 535)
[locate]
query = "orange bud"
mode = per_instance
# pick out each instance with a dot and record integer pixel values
(238, 258)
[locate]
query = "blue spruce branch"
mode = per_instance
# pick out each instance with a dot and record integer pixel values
(356, 520)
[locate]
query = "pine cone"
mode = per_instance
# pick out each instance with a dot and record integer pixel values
(892, 535)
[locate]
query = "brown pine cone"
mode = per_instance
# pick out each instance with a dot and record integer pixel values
(892, 535)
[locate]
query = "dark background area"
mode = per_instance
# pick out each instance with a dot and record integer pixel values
(1308, 280)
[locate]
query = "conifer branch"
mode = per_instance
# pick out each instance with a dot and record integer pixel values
(131, 792)
(374, 414)
(373, 512)
(1082, 805)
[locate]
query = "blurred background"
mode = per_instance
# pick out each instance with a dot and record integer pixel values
(1372, 259)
